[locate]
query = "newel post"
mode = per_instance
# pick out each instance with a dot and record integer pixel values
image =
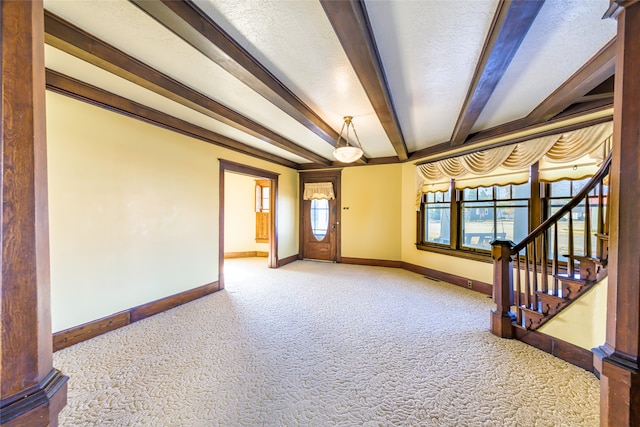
(501, 316)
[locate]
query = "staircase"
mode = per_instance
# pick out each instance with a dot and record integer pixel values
(551, 302)
(532, 281)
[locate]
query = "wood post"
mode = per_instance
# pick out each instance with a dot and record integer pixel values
(502, 317)
(32, 393)
(618, 360)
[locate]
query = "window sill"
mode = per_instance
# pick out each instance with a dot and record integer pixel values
(475, 256)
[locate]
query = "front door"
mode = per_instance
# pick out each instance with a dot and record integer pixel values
(320, 219)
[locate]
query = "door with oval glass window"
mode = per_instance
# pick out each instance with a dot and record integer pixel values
(320, 233)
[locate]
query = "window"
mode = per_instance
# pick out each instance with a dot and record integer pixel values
(437, 217)
(469, 200)
(262, 210)
(319, 218)
(559, 194)
(490, 213)
(262, 196)
(470, 219)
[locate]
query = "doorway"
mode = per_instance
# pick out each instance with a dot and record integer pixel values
(320, 216)
(258, 175)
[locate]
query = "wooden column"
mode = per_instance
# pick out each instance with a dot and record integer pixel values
(502, 317)
(32, 393)
(618, 360)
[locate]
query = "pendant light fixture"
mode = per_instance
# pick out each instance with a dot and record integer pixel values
(345, 152)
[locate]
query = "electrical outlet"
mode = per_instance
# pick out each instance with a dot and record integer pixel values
(469, 284)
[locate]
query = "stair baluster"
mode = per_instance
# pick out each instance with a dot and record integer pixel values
(518, 294)
(534, 276)
(527, 281)
(545, 256)
(587, 228)
(554, 268)
(570, 266)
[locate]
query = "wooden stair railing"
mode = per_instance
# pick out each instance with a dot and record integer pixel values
(544, 284)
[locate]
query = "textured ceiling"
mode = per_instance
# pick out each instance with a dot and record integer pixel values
(429, 51)
(562, 38)
(430, 62)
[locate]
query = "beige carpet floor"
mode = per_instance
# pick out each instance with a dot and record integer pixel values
(316, 344)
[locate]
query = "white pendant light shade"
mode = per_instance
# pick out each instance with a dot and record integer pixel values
(345, 152)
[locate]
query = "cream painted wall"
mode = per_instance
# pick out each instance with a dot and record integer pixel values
(133, 211)
(371, 224)
(584, 322)
(240, 214)
(473, 270)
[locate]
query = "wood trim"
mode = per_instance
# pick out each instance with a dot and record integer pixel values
(74, 41)
(577, 117)
(273, 225)
(478, 286)
(337, 165)
(566, 351)
(71, 336)
(458, 253)
(248, 254)
(616, 7)
(351, 24)
(620, 374)
(146, 310)
(68, 86)
(597, 70)
(288, 260)
(372, 262)
(510, 25)
(382, 161)
(200, 31)
(443, 151)
(32, 392)
(221, 237)
(38, 405)
(229, 166)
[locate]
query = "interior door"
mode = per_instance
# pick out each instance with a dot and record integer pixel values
(320, 221)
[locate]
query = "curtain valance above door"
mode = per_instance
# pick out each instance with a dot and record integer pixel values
(318, 191)
(510, 164)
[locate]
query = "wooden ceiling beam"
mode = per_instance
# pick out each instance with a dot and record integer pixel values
(509, 27)
(74, 41)
(351, 24)
(519, 130)
(599, 68)
(68, 86)
(195, 27)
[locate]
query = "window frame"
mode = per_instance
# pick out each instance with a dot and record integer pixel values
(424, 206)
(493, 203)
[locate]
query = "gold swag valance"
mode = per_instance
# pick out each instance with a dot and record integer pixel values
(318, 191)
(561, 155)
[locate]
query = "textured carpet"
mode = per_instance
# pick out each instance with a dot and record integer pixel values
(316, 344)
